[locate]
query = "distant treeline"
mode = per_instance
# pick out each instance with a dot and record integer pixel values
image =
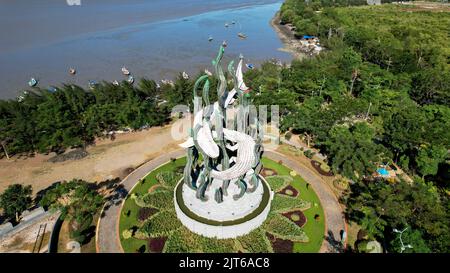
(69, 116)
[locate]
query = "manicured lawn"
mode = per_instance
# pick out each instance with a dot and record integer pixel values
(314, 229)
(126, 222)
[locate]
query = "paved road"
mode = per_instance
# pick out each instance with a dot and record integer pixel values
(107, 240)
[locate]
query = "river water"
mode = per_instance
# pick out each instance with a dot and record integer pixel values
(152, 38)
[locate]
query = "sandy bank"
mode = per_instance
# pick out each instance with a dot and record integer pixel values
(291, 43)
(106, 160)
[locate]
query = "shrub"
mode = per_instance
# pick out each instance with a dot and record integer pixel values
(325, 167)
(309, 154)
(126, 234)
(288, 136)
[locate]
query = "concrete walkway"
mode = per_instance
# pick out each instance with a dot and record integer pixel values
(107, 239)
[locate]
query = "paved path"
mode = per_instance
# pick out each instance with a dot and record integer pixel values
(107, 239)
(334, 217)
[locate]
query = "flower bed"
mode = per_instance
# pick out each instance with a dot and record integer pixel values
(280, 245)
(268, 172)
(289, 191)
(316, 166)
(156, 245)
(296, 216)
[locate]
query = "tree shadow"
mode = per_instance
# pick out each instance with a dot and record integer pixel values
(116, 197)
(335, 243)
(40, 194)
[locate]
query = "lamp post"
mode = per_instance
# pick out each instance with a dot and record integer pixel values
(401, 241)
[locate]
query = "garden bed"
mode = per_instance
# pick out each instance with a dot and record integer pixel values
(316, 166)
(296, 216)
(268, 172)
(156, 245)
(280, 245)
(289, 191)
(147, 234)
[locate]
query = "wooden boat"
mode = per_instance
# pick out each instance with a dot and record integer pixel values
(32, 82)
(72, 71)
(242, 35)
(125, 71)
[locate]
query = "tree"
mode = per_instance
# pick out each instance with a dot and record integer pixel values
(76, 200)
(429, 158)
(410, 237)
(353, 151)
(15, 199)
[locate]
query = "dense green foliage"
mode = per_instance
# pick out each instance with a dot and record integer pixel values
(78, 202)
(381, 207)
(15, 199)
(70, 116)
(379, 93)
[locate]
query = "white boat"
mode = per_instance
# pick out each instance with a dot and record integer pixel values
(207, 72)
(226, 25)
(115, 82)
(224, 43)
(242, 35)
(32, 82)
(185, 75)
(210, 38)
(125, 71)
(72, 71)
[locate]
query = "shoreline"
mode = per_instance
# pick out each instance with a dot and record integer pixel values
(291, 44)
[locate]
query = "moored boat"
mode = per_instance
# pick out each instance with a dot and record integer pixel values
(242, 35)
(72, 71)
(32, 82)
(130, 79)
(125, 71)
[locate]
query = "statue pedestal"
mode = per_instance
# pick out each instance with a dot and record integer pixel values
(228, 219)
